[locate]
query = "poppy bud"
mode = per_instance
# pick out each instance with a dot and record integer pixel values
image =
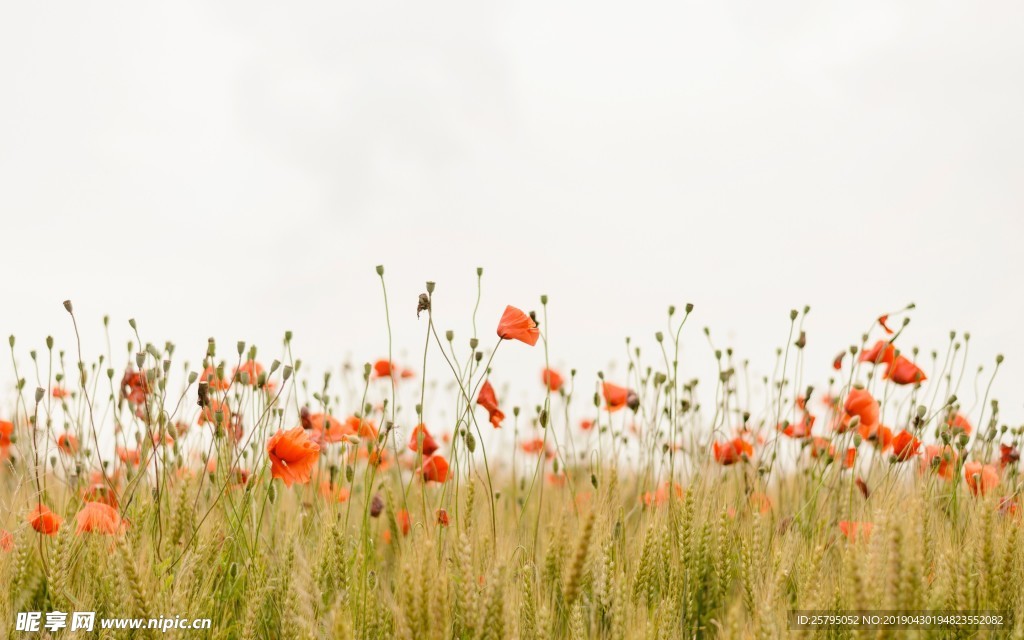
(470, 442)
(544, 299)
(67, 306)
(449, 335)
(211, 347)
(350, 473)
(376, 506)
(473, 342)
(140, 359)
(287, 336)
(40, 393)
(999, 359)
(659, 336)
(543, 418)
(272, 493)
(49, 342)
(793, 314)
(380, 270)
(479, 271)
(671, 310)
(286, 372)
(10, 340)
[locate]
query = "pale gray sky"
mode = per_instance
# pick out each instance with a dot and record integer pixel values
(238, 168)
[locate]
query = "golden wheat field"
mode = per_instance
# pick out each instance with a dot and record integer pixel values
(229, 494)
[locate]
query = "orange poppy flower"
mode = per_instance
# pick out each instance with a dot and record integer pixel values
(129, 456)
(292, 456)
(209, 414)
(762, 502)
(837, 362)
(941, 459)
(96, 517)
(43, 520)
(337, 493)
(903, 371)
(732, 451)
(384, 369)
(533, 446)
(820, 447)
(555, 479)
(252, 368)
(6, 541)
(800, 429)
(67, 443)
(552, 380)
(442, 517)
(905, 446)
(428, 445)
(586, 425)
(615, 397)
(661, 496)
(854, 529)
(489, 401)
(860, 403)
(958, 423)
(516, 325)
(850, 458)
(882, 353)
(434, 469)
(980, 478)
(209, 375)
(99, 492)
(60, 393)
(356, 426)
(404, 523)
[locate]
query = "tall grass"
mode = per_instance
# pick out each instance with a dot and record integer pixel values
(563, 540)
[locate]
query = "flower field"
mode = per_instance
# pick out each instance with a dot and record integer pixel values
(279, 502)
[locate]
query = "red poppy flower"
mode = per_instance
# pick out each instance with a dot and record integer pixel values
(428, 444)
(43, 520)
(854, 529)
(732, 451)
(6, 541)
(552, 380)
(6, 431)
(334, 492)
(292, 456)
(882, 353)
(434, 469)
(442, 517)
(905, 446)
(1008, 454)
(615, 397)
(883, 321)
(489, 401)
(67, 443)
(860, 403)
(941, 459)
(516, 325)
(60, 393)
(134, 386)
(837, 362)
(586, 425)
(980, 478)
(903, 371)
(96, 517)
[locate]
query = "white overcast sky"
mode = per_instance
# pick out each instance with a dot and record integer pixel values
(237, 169)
